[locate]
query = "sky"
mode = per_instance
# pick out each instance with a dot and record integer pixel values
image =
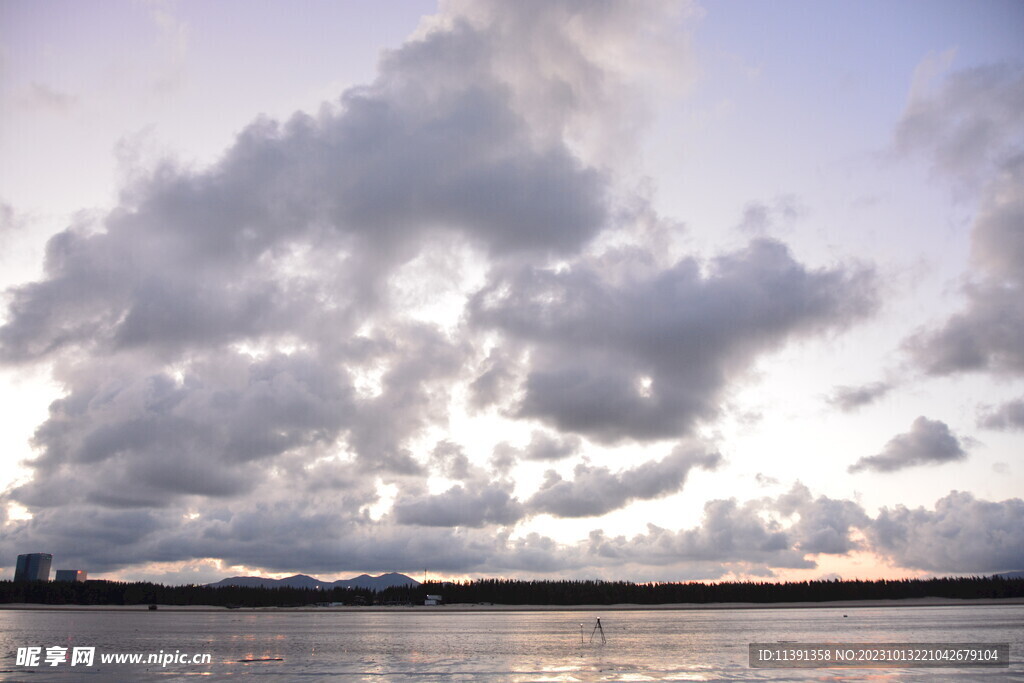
(651, 291)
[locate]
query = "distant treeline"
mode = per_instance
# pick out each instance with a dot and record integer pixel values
(510, 592)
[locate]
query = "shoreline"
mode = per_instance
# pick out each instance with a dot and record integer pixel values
(448, 609)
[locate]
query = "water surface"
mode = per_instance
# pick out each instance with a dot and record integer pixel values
(664, 645)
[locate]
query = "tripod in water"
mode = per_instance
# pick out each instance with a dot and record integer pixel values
(598, 627)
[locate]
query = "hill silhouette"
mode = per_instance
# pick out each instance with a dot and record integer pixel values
(364, 581)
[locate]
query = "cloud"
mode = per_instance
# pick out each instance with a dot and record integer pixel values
(824, 524)
(929, 442)
(973, 128)
(760, 218)
(595, 491)
(848, 398)
(1008, 416)
(322, 209)
(966, 121)
(492, 504)
(547, 447)
(988, 335)
(243, 372)
(325, 531)
(123, 440)
(241, 363)
(648, 354)
(962, 534)
(728, 533)
(287, 248)
(543, 447)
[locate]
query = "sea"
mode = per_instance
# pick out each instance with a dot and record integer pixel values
(440, 644)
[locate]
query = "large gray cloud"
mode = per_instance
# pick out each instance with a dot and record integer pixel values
(929, 442)
(962, 534)
(356, 184)
(233, 339)
(240, 375)
(973, 128)
(597, 490)
(646, 356)
(763, 533)
(327, 530)
(124, 440)
(593, 491)
(824, 525)
(289, 240)
(988, 334)
(460, 506)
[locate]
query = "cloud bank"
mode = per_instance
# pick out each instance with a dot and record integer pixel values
(254, 353)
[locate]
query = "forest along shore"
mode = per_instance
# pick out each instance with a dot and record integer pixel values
(443, 609)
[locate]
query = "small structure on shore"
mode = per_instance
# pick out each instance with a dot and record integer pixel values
(434, 600)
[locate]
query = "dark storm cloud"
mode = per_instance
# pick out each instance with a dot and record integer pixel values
(595, 491)
(929, 442)
(848, 398)
(648, 356)
(1009, 416)
(962, 534)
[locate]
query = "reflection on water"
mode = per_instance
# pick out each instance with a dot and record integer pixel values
(685, 645)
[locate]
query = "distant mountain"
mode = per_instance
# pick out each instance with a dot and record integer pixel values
(302, 581)
(376, 582)
(1011, 575)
